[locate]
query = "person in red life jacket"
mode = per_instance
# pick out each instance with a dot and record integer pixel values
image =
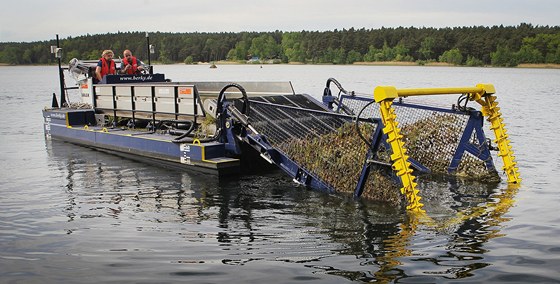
(130, 65)
(106, 65)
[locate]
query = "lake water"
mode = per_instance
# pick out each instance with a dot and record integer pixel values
(74, 215)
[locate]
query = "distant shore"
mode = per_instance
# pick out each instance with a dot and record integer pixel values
(376, 63)
(393, 63)
(539, 65)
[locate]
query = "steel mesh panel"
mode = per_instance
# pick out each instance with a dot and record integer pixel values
(292, 100)
(471, 166)
(431, 134)
(325, 144)
(475, 166)
(281, 123)
(431, 137)
(358, 103)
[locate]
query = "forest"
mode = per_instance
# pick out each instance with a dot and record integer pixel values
(471, 46)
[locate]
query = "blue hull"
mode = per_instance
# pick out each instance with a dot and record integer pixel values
(74, 126)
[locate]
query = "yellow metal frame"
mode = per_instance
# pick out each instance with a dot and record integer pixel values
(384, 96)
(490, 109)
(482, 93)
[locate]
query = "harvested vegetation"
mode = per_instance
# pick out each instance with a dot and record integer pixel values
(433, 140)
(337, 158)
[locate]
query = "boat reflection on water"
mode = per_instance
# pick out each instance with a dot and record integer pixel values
(268, 218)
(102, 185)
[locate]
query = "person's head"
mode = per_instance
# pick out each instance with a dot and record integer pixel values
(107, 54)
(127, 53)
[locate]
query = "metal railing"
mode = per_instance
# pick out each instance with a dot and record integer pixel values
(155, 101)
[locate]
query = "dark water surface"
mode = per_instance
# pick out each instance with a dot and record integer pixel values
(74, 215)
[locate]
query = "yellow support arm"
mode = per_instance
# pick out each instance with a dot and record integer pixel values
(399, 157)
(491, 110)
(437, 91)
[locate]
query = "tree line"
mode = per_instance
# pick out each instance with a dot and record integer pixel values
(472, 46)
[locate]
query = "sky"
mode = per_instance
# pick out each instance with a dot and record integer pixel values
(39, 20)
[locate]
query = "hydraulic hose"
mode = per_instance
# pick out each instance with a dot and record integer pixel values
(222, 97)
(161, 122)
(358, 125)
(462, 98)
(186, 134)
(327, 91)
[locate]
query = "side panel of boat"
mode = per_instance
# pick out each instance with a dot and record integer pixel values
(78, 127)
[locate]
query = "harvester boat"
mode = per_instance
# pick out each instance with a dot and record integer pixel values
(363, 145)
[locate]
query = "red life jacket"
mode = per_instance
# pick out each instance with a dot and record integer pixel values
(105, 67)
(134, 69)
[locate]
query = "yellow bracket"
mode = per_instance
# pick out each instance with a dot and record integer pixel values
(384, 96)
(197, 142)
(491, 110)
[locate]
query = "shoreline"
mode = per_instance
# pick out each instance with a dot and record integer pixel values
(361, 63)
(392, 63)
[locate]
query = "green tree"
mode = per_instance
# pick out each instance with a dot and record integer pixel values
(553, 57)
(72, 54)
(503, 56)
(545, 43)
(91, 55)
(27, 57)
(239, 52)
(265, 47)
(548, 45)
(473, 61)
(10, 55)
(165, 51)
(452, 56)
(370, 56)
(401, 53)
(189, 60)
(353, 56)
(529, 54)
(211, 49)
(426, 48)
(292, 47)
(336, 56)
(387, 53)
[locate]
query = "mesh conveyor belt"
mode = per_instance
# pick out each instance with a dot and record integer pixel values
(292, 100)
(281, 123)
(326, 145)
